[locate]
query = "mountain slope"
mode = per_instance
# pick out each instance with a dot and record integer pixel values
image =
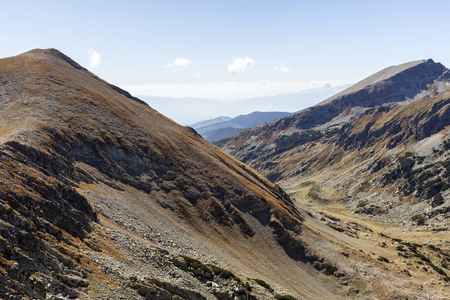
(393, 85)
(380, 147)
(210, 122)
(395, 162)
(221, 134)
(374, 157)
(101, 196)
(214, 131)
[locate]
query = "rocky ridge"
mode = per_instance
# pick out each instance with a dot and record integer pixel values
(393, 85)
(379, 147)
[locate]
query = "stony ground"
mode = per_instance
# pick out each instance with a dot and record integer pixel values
(410, 261)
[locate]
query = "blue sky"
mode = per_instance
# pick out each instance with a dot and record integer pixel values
(187, 48)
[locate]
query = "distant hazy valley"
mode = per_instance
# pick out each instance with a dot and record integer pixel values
(224, 128)
(188, 111)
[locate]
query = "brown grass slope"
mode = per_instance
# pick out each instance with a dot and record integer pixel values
(91, 179)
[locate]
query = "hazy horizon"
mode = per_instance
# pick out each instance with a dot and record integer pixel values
(229, 50)
(189, 110)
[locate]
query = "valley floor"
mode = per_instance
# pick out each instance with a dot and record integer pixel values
(396, 260)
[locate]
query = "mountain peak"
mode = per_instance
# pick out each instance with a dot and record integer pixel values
(419, 70)
(55, 60)
(52, 53)
(48, 51)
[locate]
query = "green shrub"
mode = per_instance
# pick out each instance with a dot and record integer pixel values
(422, 257)
(242, 292)
(196, 264)
(362, 203)
(433, 247)
(264, 284)
(77, 258)
(222, 272)
(406, 163)
(287, 142)
(273, 176)
(248, 287)
(314, 192)
(439, 270)
(400, 248)
(419, 219)
(437, 200)
(285, 297)
(383, 259)
(371, 210)
(408, 154)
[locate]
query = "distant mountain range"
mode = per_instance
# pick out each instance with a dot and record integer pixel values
(187, 111)
(225, 127)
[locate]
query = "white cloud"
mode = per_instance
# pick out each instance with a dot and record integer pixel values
(94, 58)
(281, 69)
(240, 64)
(231, 90)
(179, 62)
